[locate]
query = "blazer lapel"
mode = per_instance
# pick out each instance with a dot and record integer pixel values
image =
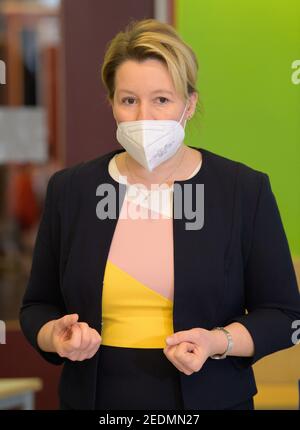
(199, 267)
(90, 247)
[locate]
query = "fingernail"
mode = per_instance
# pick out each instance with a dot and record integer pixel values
(169, 340)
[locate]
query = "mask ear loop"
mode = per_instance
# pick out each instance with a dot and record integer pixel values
(183, 115)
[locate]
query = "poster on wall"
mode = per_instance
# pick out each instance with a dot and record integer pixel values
(23, 136)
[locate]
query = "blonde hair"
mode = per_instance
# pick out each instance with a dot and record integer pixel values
(146, 39)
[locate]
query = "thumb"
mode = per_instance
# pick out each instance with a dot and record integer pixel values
(181, 336)
(67, 321)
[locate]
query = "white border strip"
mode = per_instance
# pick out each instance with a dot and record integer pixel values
(161, 10)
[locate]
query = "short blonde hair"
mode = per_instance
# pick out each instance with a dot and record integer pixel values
(146, 39)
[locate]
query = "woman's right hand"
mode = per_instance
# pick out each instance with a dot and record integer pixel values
(74, 340)
(69, 338)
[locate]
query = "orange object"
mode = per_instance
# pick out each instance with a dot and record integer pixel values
(25, 207)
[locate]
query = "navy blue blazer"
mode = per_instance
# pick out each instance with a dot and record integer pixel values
(237, 267)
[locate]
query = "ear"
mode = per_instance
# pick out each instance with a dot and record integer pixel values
(193, 98)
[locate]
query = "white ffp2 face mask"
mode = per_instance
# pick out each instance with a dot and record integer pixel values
(151, 142)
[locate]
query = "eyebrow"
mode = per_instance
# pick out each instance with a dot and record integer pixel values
(153, 92)
(162, 91)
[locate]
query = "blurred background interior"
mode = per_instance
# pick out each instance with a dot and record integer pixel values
(54, 113)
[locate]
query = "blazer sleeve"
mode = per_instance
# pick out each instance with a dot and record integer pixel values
(42, 300)
(271, 291)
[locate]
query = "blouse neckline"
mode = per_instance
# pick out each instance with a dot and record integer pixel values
(117, 177)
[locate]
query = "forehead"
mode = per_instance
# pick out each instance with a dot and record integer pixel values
(146, 75)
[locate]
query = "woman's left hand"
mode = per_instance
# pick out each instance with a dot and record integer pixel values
(188, 350)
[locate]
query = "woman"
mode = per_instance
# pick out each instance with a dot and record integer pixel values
(145, 308)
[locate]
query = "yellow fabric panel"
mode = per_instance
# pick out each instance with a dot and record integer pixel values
(277, 396)
(133, 315)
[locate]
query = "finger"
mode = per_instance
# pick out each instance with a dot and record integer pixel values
(169, 352)
(92, 352)
(96, 338)
(195, 358)
(86, 336)
(66, 343)
(94, 344)
(74, 342)
(88, 352)
(180, 354)
(73, 355)
(82, 355)
(182, 336)
(66, 321)
(188, 357)
(76, 356)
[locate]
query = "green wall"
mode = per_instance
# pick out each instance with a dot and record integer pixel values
(251, 113)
